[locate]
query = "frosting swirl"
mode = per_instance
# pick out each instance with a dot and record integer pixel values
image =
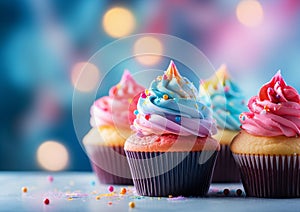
(171, 106)
(113, 110)
(225, 98)
(275, 111)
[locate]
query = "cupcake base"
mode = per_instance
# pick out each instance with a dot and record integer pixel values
(226, 169)
(110, 164)
(270, 176)
(172, 173)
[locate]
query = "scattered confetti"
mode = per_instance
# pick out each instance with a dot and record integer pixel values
(109, 203)
(131, 204)
(93, 183)
(98, 197)
(165, 97)
(135, 112)
(76, 194)
(176, 198)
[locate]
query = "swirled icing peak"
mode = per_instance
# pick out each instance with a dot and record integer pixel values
(275, 111)
(114, 109)
(225, 98)
(171, 106)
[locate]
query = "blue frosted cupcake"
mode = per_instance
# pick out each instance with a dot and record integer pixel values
(228, 102)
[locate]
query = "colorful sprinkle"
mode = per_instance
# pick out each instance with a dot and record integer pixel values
(123, 191)
(109, 203)
(177, 118)
(135, 112)
(165, 97)
(93, 183)
(143, 95)
(278, 96)
(70, 198)
(110, 188)
(97, 197)
(147, 92)
(46, 201)
(24, 189)
(165, 77)
(170, 196)
(266, 108)
(131, 204)
(50, 178)
(226, 88)
(147, 116)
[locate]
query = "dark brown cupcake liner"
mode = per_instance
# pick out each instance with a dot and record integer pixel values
(270, 176)
(172, 173)
(226, 169)
(110, 164)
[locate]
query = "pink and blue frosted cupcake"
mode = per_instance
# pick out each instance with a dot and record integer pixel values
(172, 151)
(110, 121)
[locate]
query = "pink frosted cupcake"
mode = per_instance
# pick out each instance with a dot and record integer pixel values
(268, 148)
(110, 121)
(172, 152)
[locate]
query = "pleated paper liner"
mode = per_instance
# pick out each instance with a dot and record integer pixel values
(226, 169)
(270, 176)
(110, 164)
(172, 173)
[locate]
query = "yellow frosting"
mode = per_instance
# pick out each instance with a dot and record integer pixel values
(244, 143)
(106, 136)
(225, 136)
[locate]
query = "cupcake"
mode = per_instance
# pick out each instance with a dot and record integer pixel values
(267, 149)
(110, 121)
(227, 102)
(172, 151)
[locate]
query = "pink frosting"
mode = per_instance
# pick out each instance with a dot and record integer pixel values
(276, 111)
(113, 110)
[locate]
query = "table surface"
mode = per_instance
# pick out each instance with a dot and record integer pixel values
(77, 191)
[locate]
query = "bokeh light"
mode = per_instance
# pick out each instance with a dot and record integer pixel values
(52, 156)
(148, 45)
(85, 76)
(249, 13)
(118, 22)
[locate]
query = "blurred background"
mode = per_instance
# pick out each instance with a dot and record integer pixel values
(45, 43)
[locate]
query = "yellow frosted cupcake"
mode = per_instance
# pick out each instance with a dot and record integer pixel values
(268, 148)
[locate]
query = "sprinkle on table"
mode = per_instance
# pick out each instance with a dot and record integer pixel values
(123, 191)
(50, 178)
(46, 201)
(131, 204)
(24, 189)
(226, 191)
(110, 188)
